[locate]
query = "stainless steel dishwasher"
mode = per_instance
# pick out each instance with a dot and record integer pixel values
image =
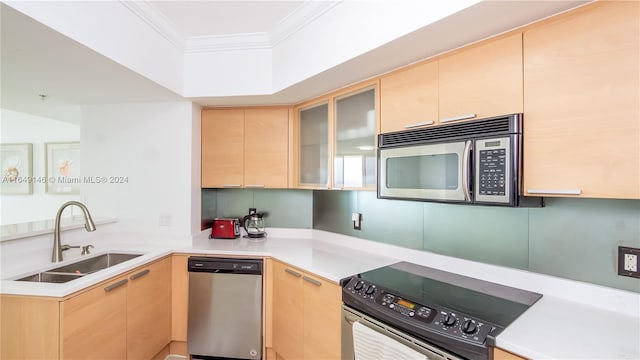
(225, 308)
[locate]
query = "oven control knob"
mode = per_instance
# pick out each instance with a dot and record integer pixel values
(370, 290)
(449, 320)
(469, 327)
(359, 285)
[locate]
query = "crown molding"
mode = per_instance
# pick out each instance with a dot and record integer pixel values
(303, 15)
(246, 41)
(148, 13)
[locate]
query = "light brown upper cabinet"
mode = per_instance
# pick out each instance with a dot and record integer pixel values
(222, 148)
(311, 146)
(581, 91)
(245, 148)
(354, 160)
(409, 98)
(334, 140)
(481, 81)
(266, 147)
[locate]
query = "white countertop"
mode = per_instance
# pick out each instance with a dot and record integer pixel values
(322, 258)
(555, 328)
(573, 320)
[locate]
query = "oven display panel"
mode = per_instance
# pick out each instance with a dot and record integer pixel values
(406, 307)
(406, 303)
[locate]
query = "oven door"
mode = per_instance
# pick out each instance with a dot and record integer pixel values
(436, 172)
(391, 336)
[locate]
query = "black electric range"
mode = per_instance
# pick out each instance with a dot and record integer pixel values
(458, 314)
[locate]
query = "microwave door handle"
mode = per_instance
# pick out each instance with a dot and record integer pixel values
(466, 158)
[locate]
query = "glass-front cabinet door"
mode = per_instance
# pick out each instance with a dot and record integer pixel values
(354, 164)
(313, 146)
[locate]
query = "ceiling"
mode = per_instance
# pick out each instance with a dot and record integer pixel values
(37, 60)
(214, 18)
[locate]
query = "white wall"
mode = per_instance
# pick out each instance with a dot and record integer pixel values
(113, 30)
(196, 190)
(351, 29)
(150, 145)
(346, 31)
(24, 128)
(228, 73)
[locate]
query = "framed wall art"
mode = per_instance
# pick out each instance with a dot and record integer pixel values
(63, 168)
(16, 161)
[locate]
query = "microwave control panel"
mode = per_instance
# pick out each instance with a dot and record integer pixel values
(493, 174)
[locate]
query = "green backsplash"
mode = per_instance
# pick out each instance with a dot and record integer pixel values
(285, 208)
(570, 238)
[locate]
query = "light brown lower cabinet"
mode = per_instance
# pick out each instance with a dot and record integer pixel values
(149, 310)
(499, 354)
(127, 317)
(179, 298)
(94, 323)
(29, 327)
(306, 315)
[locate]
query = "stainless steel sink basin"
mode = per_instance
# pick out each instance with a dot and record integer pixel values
(95, 263)
(80, 268)
(50, 277)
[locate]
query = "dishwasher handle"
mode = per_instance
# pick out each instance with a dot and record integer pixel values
(225, 265)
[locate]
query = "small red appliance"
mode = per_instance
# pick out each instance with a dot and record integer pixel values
(225, 228)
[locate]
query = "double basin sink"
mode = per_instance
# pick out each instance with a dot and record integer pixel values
(80, 268)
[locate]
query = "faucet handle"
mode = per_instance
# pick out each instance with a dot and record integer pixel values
(85, 249)
(66, 247)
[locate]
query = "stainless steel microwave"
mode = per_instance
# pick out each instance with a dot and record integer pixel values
(475, 162)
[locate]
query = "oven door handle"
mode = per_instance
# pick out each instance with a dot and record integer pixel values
(426, 349)
(466, 166)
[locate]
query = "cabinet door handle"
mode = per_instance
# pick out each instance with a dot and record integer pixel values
(231, 185)
(140, 274)
(555, 191)
(116, 285)
(291, 272)
(461, 117)
(313, 281)
(254, 186)
(424, 123)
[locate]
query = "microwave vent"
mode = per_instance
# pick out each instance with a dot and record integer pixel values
(508, 124)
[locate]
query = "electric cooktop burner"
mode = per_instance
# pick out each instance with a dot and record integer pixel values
(458, 313)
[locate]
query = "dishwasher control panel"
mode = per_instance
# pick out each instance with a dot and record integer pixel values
(224, 265)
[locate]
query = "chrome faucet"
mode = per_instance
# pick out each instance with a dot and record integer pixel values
(89, 225)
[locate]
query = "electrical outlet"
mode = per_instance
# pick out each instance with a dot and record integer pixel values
(165, 219)
(628, 261)
(631, 262)
(357, 221)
